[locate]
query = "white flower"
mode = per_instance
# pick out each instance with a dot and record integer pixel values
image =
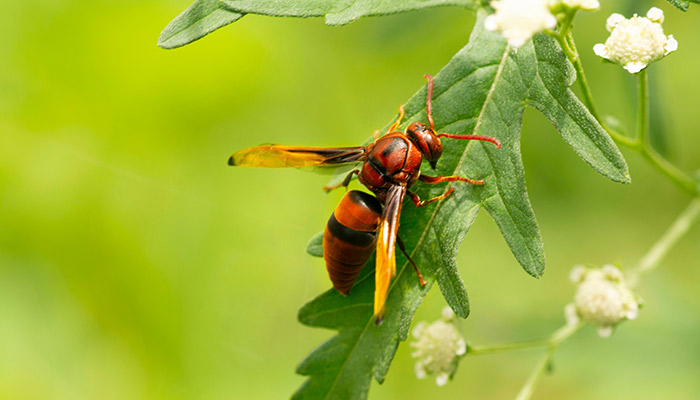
(519, 20)
(437, 347)
(577, 273)
(587, 5)
(603, 298)
(571, 314)
(655, 15)
(613, 20)
(636, 42)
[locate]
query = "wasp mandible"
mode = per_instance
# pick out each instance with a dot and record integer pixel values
(388, 167)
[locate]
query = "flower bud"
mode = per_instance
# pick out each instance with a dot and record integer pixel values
(438, 347)
(587, 5)
(602, 298)
(519, 20)
(636, 42)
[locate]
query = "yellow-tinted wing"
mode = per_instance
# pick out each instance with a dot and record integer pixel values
(385, 269)
(279, 156)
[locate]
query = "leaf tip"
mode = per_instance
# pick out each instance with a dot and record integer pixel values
(462, 312)
(622, 175)
(538, 271)
(315, 245)
(163, 44)
(626, 179)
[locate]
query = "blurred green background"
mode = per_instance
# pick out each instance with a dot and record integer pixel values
(134, 264)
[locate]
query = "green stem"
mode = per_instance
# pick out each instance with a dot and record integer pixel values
(555, 340)
(569, 46)
(529, 388)
(675, 174)
(471, 350)
(643, 109)
(552, 340)
(681, 226)
(640, 144)
(564, 333)
(643, 146)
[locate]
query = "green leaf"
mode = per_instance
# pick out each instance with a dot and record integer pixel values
(683, 5)
(483, 90)
(338, 12)
(315, 245)
(680, 4)
(552, 97)
(198, 20)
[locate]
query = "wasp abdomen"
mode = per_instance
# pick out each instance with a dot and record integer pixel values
(350, 238)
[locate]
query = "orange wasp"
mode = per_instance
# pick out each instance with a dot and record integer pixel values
(388, 167)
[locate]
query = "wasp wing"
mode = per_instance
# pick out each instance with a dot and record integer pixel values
(279, 156)
(385, 269)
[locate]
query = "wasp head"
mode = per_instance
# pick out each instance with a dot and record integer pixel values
(427, 141)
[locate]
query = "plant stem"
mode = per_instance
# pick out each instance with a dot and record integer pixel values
(471, 350)
(552, 340)
(643, 146)
(559, 336)
(563, 333)
(643, 109)
(673, 235)
(676, 175)
(569, 46)
(529, 388)
(640, 144)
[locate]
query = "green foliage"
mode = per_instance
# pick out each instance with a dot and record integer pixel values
(682, 5)
(198, 20)
(205, 16)
(483, 90)
(338, 12)
(315, 245)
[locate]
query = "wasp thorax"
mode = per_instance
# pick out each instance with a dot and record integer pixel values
(427, 141)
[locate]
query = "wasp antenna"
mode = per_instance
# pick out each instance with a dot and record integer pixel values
(473, 137)
(429, 101)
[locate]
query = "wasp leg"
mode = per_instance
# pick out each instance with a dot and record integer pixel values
(437, 179)
(415, 268)
(421, 203)
(344, 183)
(396, 124)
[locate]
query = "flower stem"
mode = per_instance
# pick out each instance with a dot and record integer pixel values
(569, 47)
(673, 235)
(471, 350)
(559, 336)
(552, 340)
(529, 388)
(640, 144)
(676, 175)
(643, 146)
(643, 109)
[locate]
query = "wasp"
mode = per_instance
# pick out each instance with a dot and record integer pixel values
(362, 223)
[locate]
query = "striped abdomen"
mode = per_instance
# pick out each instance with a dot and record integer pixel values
(350, 238)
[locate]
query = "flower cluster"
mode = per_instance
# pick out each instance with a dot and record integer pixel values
(519, 20)
(603, 298)
(438, 347)
(636, 42)
(587, 5)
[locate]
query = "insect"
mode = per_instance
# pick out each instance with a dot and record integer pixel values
(388, 167)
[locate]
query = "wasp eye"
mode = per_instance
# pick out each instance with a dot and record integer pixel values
(416, 130)
(426, 140)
